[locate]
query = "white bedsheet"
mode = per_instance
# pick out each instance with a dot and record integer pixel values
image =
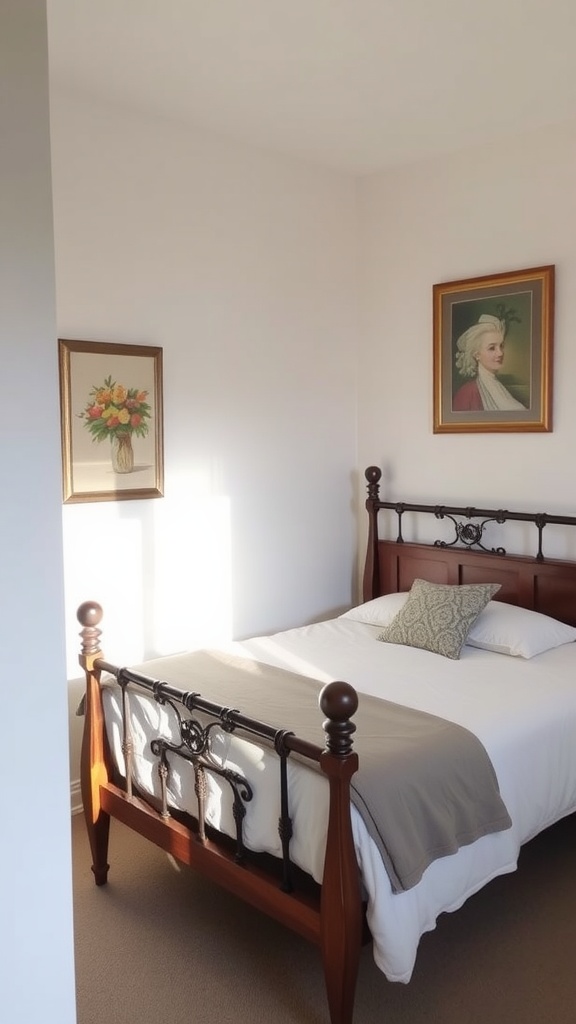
(523, 711)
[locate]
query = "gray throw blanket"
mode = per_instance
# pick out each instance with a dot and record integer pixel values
(425, 787)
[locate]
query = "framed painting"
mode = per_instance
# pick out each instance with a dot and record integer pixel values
(493, 339)
(112, 424)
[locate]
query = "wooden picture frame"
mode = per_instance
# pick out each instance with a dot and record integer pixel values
(112, 421)
(475, 389)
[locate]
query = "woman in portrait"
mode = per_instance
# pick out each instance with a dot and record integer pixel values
(479, 356)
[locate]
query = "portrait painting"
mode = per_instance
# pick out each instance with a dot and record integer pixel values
(493, 340)
(111, 419)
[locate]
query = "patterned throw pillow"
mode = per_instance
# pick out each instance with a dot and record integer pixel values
(437, 617)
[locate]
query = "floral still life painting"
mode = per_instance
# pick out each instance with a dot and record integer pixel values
(111, 412)
(114, 413)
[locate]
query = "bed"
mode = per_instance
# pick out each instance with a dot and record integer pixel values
(257, 765)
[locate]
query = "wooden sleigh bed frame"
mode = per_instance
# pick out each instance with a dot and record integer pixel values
(330, 915)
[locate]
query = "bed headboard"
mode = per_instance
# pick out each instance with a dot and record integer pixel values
(544, 585)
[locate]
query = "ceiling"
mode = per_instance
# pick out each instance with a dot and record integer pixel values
(358, 85)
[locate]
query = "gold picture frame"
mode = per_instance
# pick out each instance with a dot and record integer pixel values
(475, 389)
(111, 420)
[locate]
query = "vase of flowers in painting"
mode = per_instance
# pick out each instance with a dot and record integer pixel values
(117, 414)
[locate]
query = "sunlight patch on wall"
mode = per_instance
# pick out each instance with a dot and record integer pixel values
(103, 563)
(161, 569)
(191, 604)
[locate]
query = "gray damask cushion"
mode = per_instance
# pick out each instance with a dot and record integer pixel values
(438, 617)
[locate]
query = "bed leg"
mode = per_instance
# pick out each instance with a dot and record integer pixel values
(341, 901)
(93, 760)
(341, 939)
(341, 959)
(92, 774)
(98, 833)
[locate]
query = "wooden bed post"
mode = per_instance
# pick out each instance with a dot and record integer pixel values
(93, 768)
(371, 583)
(341, 902)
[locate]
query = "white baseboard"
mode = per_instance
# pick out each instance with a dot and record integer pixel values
(75, 797)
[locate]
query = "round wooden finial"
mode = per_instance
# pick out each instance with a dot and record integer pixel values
(89, 614)
(373, 474)
(339, 701)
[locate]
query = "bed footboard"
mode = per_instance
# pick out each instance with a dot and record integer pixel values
(330, 915)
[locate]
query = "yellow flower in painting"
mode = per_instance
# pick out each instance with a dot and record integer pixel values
(124, 416)
(107, 412)
(119, 394)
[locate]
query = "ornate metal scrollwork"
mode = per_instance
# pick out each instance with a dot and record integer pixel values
(467, 533)
(195, 746)
(192, 739)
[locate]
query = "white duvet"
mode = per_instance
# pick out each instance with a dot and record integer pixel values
(523, 711)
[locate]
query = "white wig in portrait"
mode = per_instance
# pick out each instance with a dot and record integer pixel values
(469, 342)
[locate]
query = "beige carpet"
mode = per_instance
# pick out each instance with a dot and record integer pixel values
(159, 944)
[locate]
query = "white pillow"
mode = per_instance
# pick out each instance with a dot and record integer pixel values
(378, 612)
(508, 629)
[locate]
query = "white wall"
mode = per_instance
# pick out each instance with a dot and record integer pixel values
(36, 966)
(482, 211)
(242, 266)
